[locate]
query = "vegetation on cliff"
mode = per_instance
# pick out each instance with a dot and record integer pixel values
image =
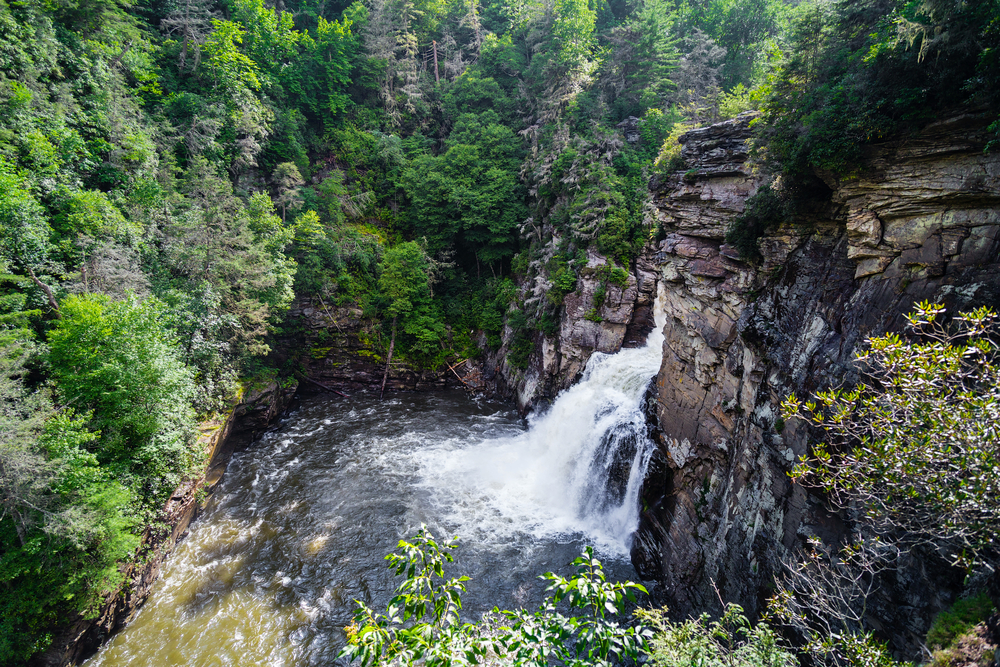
(172, 172)
(864, 72)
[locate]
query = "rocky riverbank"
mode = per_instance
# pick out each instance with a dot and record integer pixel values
(257, 406)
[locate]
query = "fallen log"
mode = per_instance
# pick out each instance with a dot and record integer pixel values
(321, 385)
(452, 368)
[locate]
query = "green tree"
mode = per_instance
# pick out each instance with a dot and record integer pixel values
(638, 73)
(117, 359)
(63, 519)
(289, 181)
(728, 641)
(231, 70)
(404, 281)
(322, 75)
(573, 34)
(269, 38)
(24, 230)
(227, 267)
(470, 196)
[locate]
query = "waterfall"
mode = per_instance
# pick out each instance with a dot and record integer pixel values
(576, 471)
(299, 526)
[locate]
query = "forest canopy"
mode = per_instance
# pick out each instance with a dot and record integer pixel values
(174, 173)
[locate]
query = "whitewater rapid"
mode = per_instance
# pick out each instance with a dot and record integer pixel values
(576, 471)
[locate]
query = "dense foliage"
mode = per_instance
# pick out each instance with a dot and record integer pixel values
(909, 456)
(866, 71)
(173, 172)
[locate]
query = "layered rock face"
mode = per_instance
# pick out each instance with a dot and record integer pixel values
(587, 325)
(923, 223)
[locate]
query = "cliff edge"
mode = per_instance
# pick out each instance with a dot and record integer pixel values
(922, 223)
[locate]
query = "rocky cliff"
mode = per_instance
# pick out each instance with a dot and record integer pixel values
(588, 323)
(921, 223)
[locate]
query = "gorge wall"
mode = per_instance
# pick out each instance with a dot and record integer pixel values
(922, 223)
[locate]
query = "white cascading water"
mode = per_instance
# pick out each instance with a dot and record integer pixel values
(577, 470)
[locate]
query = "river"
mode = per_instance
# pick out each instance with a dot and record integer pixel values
(299, 526)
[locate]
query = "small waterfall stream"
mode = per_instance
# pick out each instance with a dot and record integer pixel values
(298, 528)
(576, 470)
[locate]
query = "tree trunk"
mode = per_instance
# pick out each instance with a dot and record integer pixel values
(437, 77)
(388, 359)
(45, 288)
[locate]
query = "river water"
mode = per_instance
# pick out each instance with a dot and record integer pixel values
(299, 527)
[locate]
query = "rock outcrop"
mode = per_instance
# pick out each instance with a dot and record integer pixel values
(622, 317)
(253, 410)
(922, 223)
(338, 347)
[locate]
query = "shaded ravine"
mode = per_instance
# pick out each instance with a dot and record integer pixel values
(299, 527)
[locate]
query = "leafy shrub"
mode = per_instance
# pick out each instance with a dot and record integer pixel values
(563, 282)
(498, 296)
(613, 274)
(616, 238)
(654, 129)
(736, 101)
(730, 641)
(958, 619)
(763, 211)
(913, 447)
(548, 324)
(910, 453)
(421, 623)
(600, 294)
(669, 160)
(520, 350)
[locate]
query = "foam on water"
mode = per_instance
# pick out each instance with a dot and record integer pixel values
(576, 470)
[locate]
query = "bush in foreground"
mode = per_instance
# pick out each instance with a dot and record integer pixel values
(421, 624)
